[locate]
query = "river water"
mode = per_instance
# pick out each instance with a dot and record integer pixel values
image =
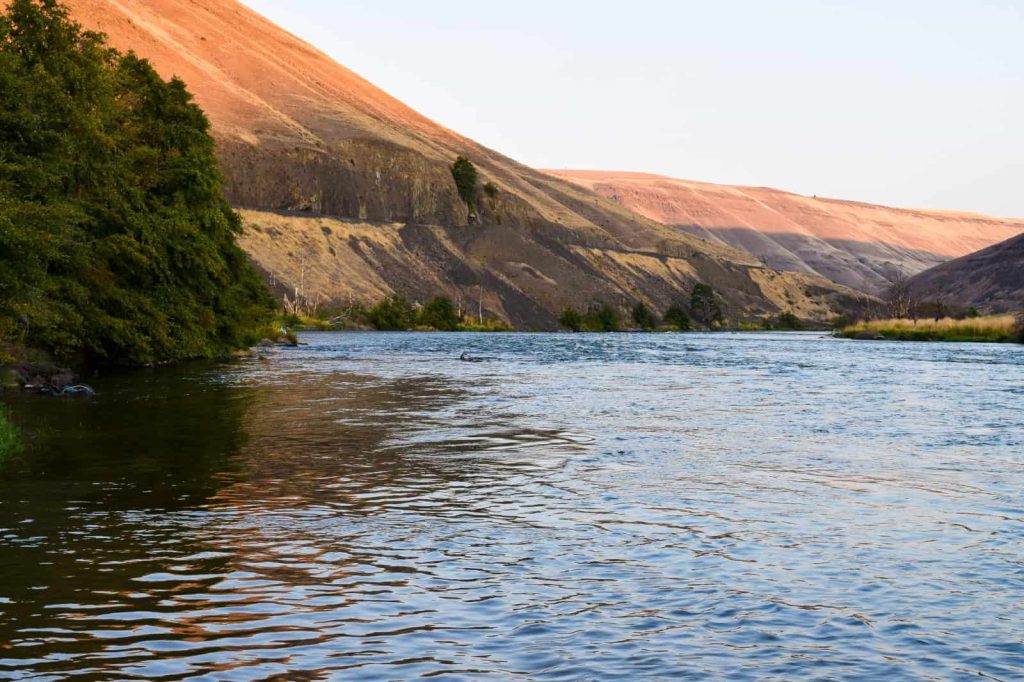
(577, 507)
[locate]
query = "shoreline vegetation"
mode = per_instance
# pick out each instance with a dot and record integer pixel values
(117, 245)
(988, 329)
(703, 312)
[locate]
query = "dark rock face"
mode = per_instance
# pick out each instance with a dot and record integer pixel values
(367, 180)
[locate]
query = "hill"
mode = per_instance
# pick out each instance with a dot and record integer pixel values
(991, 280)
(856, 244)
(349, 193)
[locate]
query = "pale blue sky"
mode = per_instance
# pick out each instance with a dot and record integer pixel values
(906, 102)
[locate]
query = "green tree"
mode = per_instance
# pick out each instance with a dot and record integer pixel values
(704, 305)
(602, 317)
(788, 320)
(643, 317)
(571, 320)
(465, 176)
(393, 314)
(841, 321)
(440, 314)
(116, 242)
(677, 316)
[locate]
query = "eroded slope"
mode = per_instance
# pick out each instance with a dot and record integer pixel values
(860, 245)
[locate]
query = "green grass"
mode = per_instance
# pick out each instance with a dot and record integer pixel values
(10, 442)
(991, 329)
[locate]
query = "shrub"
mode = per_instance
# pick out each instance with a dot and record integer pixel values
(571, 320)
(116, 242)
(602, 317)
(1018, 327)
(491, 190)
(643, 317)
(841, 321)
(440, 314)
(704, 305)
(677, 316)
(465, 176)
(788, 320)
(393, 314)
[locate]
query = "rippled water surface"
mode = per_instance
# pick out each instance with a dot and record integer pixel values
(763, 507)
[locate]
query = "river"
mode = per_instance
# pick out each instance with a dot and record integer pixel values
(575, 507)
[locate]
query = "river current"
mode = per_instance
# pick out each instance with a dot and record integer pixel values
(574, 507)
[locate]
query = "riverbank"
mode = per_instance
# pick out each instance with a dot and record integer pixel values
(990, 329)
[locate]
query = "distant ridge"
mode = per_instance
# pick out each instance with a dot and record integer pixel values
(861, 245)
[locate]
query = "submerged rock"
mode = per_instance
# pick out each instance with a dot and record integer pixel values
(868, 335)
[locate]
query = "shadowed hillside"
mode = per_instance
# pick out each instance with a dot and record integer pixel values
(351, 195)
(991, 280)
(860, 245)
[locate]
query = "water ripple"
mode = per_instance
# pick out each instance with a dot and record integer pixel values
(748, 507)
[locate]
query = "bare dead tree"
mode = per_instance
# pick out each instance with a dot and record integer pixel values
(900, 301)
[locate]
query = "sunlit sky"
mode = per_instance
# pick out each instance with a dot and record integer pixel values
(902, 102)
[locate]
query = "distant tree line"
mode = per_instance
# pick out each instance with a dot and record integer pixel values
(704, 308)
(902, 301)
(396, 313)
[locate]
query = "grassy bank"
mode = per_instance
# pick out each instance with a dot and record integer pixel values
(9, 440)
(991, 329)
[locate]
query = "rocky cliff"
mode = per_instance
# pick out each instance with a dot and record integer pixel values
(348, 192)
(860, 245)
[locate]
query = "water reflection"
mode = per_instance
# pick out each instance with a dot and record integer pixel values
(584, 508)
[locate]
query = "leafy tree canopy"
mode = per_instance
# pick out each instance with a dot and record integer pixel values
(643, 317)
(116, 242)
(571, 320)
(788, 320)
(677, 316)
(465, 176)
(602, 317)
(440, 314)
(392, 314)
(704, 305)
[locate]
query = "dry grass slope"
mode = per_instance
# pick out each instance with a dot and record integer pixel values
(857, 244)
